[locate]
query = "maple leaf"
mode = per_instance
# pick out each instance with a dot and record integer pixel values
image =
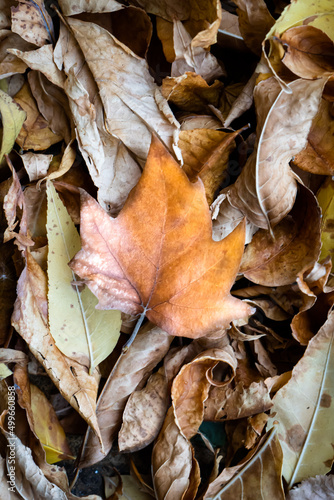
(158, 257)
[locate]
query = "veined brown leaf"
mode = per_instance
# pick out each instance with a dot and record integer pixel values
(303, 410)
(32, 22)
(147, 268)
(80, 331)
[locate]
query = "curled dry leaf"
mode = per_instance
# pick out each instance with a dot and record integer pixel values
(278, 262)
(35, 133)
(30, 319)
(266, 189)
(127, 92)
(318, 156)
(148, 272)
(301, 426)
(260, 472)
(191, 387)
(148, 348)
(32, 22)
(205, 154)
(175, 470)
(309, 52)
(255, 21)
(94, 6)
(36, 165)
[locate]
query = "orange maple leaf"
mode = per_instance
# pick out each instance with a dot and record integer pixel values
(158, 258)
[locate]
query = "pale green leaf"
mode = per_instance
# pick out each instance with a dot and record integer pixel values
(303, 410)
(325, 198)
(80, 331)
(12, 120)
(4, 371)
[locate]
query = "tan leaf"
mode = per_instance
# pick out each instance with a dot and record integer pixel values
(171, 295)
(255, 21)
(318, 157)
(243, 102)
(191, 387)
(175, 470)
(144, 413)
(192, 58)
(313, 488)
(165, 34)
(148, 348)
(7, 488)
(66, 163)
(278, 262)
(35, 133)
(260, 473)
(32, 22)
(129, 486)
(41, 60)
(69, 8)
(190, 92)
(30, 320)
(128, 93)
(301, 426)
(10, 64)
(266, 189)
(36, 165)
(5, 6)
(35, 202)
(205, 154)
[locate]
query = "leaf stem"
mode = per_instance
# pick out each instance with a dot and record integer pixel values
(135, 331)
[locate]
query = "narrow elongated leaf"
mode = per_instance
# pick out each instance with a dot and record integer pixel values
(303, 410)
(80, 331)
(12, 117)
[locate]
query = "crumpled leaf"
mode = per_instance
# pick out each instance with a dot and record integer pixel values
(277, 262)
(266, 189)
(175, 470)
(313, 488)
(255, 21)
(32, 22)
(36, 165)
(35, 133)
(79, 330)
(30, 321)
(148, 348)
(325, 197)
(260, 473)
(128, 93)
(301, 426)
(318, 157)
(191, 387)
(69, 8)
(12, 117)
(182, 300)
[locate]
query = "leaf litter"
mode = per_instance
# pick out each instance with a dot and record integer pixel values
(167, 234)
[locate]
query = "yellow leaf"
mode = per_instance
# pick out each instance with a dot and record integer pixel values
(325, 198)
(12, 120)
(48, 429)
(80, 331)
(4, 371)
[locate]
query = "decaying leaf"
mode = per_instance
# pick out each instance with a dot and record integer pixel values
(260, 473)
(325, 198)
(255, 21)
(32, 22)
(191, 387)
(278, 261)
(314, 488)
(12, 117)
(175, 470)
(301, 425)
(162, 286)
(79, 330)
(36, 165)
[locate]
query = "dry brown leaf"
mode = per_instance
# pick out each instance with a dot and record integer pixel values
(126, 88)
(36, 165)
(255, 21)
(174, 468)
(144, 413)
(318, 155)
(154, 276)
(30, 320)
(35, 133)
(191, 387)
(147, 350)
(52, 104)
(10, 64)
(260, 473)
(309, 52)
(32, 22)
(205, 154)
(296, 246)
(69, 8)
(266, 189)
(35, 203)
(189, 58)
(190, 92)
(243, 102)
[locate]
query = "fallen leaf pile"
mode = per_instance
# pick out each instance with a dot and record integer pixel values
(167, 229)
